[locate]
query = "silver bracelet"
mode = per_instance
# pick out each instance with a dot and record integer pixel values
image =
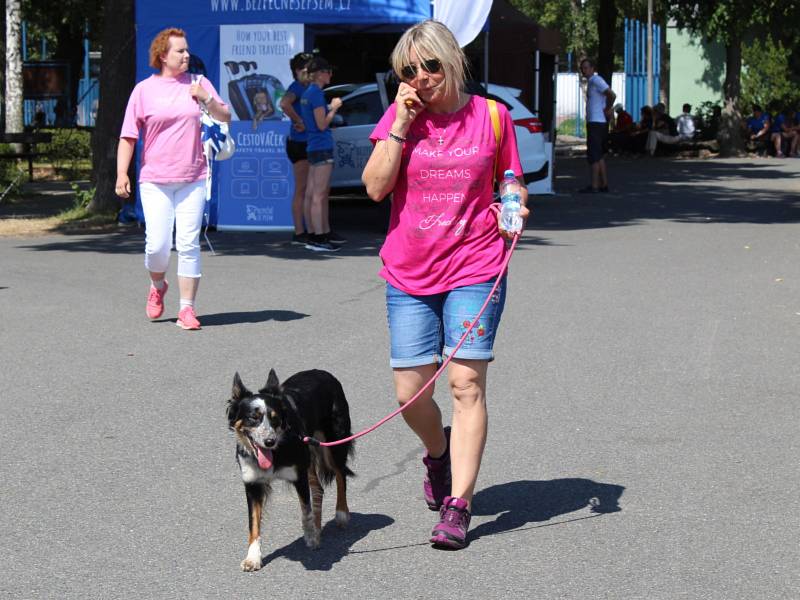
(397, 138)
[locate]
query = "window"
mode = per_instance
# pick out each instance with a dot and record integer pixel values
(364, 109)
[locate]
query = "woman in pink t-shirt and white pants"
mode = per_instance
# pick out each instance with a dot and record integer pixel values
(436, 152)
(163, 110)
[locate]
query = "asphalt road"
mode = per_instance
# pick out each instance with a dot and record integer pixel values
(644, 415)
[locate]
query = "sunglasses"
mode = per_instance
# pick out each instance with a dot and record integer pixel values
(432, 66)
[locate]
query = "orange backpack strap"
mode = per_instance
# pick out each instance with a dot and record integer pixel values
(498, 132)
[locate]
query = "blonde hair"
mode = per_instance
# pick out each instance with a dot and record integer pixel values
(160, 45)
(431, 39)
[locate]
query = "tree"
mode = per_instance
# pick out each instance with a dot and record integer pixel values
(14, 116)
(117, 77)
(606, 27)
(2, 67)
(732, 22)
(573, 19)
(766, 76)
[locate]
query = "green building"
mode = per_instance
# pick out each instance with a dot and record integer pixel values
(696, 70)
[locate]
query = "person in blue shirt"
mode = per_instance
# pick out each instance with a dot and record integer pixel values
(758, 125)
(317, 117)
(784, 133)
(296, 144)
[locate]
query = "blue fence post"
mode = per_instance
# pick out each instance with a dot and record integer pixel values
(24, 36)
(636, 65)
(580, 107)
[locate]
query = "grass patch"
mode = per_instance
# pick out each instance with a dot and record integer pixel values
(567, 127)
(78, 215)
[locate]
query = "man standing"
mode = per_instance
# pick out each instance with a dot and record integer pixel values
(599, 102)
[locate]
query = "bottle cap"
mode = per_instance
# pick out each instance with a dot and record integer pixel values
(509, 173)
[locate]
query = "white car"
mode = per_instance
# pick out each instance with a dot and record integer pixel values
(362, 108)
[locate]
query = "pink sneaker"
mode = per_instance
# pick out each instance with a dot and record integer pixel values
(187, 318)
(451, 530)
(155, 301)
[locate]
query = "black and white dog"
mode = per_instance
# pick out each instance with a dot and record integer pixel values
(270, 427)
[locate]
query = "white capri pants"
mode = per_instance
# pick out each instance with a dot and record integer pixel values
(173, 204)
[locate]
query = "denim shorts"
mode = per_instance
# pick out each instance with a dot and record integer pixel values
(423, 329)
(320, 157)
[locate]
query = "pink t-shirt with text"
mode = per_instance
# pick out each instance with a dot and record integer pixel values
(442, 233)
(167, 118)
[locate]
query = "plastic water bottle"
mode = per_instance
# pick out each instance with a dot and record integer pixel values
(510, 219)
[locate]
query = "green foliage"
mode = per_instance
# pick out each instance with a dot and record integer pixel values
(706, 121)
(9, 169)
(69, 151)
(54, 25)
(12, 173)
(567, 127)
(576, 21)
(766, 76)
(83, 197)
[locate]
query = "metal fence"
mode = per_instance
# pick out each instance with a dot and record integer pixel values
(636, 65)
(571, 102)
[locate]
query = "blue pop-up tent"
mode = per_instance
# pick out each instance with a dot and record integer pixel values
(243, 47)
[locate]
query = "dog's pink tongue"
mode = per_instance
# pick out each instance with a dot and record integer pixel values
(264, 457)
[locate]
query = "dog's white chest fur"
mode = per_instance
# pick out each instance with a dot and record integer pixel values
(252, 473)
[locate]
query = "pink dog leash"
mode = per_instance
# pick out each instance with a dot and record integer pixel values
(315, 442)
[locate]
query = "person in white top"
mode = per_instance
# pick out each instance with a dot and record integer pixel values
(599, 102)
(686, 131)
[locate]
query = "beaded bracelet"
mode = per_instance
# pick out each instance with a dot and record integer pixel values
(397, 138)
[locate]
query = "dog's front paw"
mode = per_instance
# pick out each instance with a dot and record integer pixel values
(249, 564)
(342, 518)
(312, 538)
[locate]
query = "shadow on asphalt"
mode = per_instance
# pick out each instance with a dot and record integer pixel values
(699, 191)
(519, 503)
(675, 190)
(336, 542)
(254, 316)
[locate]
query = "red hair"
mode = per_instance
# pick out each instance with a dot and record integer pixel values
(160, 45)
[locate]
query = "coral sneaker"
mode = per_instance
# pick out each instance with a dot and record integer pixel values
(155, 301)
(436, 484)
(187, 318)
(451, 531)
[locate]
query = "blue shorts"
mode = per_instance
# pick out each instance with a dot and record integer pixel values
(422, 329)
(320, 157)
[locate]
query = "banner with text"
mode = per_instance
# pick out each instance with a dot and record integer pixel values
(256, 184)
(194, 12)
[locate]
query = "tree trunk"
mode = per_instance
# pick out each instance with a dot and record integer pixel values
(14, 115)
(731, 141)
(3, 67)
(606, 28)
(117, 78)
(69, 48)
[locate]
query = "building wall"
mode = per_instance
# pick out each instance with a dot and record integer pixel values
(696, 70)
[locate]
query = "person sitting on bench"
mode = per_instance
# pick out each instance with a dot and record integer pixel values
(757, 126)
(686, 129)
